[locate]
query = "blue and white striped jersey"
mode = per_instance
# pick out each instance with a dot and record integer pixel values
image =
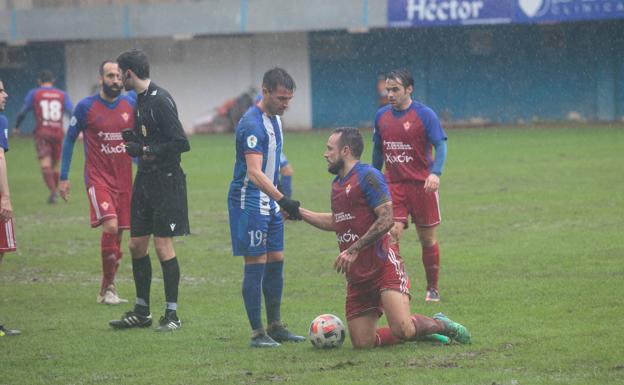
(256, 132)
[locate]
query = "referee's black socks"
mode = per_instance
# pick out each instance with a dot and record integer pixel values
(171, 276)
(142, 272)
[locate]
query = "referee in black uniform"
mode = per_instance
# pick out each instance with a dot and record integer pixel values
(159, 204)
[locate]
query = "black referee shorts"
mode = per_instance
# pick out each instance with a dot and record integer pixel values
(159, 204)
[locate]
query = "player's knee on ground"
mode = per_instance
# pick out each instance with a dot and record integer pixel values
(363, 342)
(403, 330)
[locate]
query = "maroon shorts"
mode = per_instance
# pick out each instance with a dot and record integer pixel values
(7, 237)
(411, 198)
(106, 204)
(363, 297)
(49, 146)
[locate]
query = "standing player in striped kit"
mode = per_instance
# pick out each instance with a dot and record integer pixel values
(7, 238)
(48, 104)
(254, 202)
(107, 171)
(405, 133)
(376, 280)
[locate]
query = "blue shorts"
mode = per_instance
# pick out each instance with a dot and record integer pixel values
(254, 234)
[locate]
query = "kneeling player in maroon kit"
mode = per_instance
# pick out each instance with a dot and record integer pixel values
(108, 170)
(376, 280)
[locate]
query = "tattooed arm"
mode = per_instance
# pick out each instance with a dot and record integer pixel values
(381, 226)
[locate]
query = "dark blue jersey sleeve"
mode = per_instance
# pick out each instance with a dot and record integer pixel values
(433, 129)
(77, 123)
(69, 106)
(28, 105)
(374, 186)
(4, 133)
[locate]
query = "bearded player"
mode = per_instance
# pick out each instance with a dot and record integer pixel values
(108, 170)
(361, 215)
(405, 134)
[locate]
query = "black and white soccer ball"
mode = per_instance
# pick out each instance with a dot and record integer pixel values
(327, 331)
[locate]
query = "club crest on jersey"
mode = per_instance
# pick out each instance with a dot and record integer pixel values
(348, 189)
(125, 116)
(407, 125)
(172, 225)
(105, 205)
(252, 141)
(143, 130)
(73, 120)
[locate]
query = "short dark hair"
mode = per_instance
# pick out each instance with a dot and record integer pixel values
(351, 137)
(278, 77)
(105, 62)
(135, 60)
(401, 75)
(46, 76)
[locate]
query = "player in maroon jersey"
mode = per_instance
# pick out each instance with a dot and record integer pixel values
(49, 104)
(405, 133)
(7, 239)
(108, 170)
(376, 280)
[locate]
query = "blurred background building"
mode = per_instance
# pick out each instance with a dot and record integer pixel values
(474, 61)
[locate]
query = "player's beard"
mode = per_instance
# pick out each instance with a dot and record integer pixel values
(110, 91)
(334, 168)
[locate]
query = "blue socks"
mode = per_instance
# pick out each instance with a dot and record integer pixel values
(272, 286)
(252, 293)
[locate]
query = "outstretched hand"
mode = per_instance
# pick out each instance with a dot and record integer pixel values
(291, 207)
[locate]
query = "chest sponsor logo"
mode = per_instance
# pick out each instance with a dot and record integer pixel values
(397, 146)
(341, 217)
(112, 150)
(399, 158)
(109, 135)
(252, 141)
(125, 116)
(347, 237)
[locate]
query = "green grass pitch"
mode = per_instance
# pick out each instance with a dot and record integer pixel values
(532, 262)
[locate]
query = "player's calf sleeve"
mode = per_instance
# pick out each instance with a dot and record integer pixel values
(272, 286)
(171, 277)
(425, 325)
(48, 178)
(384, 337)
(252, 293)
(431, 263)
(142, 272)
(109, 250)
(286, 182)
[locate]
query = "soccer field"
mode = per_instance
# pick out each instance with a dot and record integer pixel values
(532, 261)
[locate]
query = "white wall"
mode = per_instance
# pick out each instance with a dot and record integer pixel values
(204, 72)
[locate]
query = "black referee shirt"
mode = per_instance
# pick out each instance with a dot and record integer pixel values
(158, 126)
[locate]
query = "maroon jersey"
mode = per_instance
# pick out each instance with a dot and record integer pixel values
(354, 199)
(406, 138)
(49, 105)
(107, 163)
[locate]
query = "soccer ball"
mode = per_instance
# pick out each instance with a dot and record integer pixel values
(327, 331)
